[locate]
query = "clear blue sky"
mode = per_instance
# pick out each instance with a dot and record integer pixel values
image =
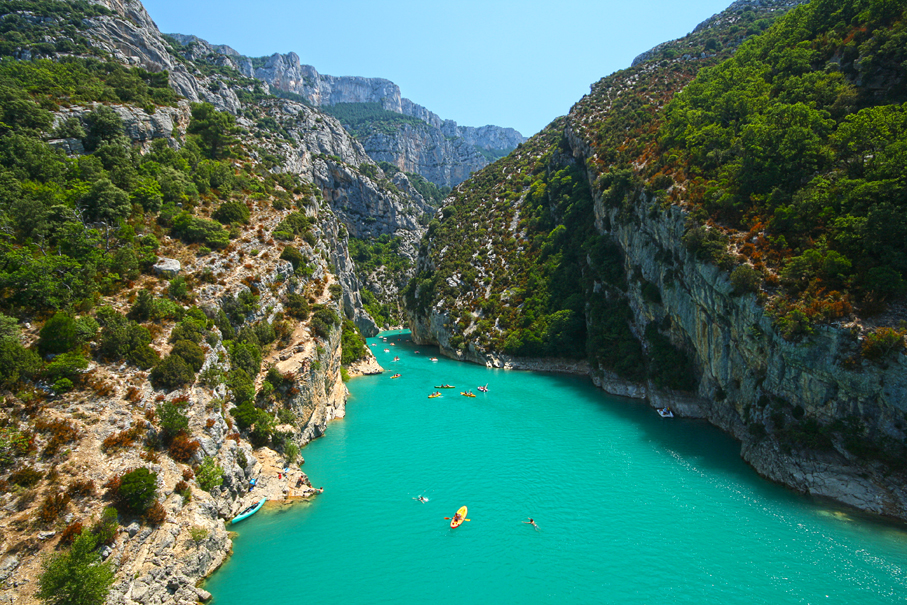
(518, 64)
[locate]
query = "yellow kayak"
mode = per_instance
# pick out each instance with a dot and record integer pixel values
(458, 518)
(433, 395)
(467, 394)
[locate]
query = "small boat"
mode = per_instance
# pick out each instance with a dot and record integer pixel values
(396, 376)
(393, 344)
(665, 412)
(433, 395)
(249, 511)
(444, 386)
(372, 345)
(396, 359)
(387, 350)
(467, 394)
(458, 518)
(484, 389)
(434, 359)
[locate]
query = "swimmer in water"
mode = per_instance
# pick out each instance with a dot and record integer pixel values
(421, 499)
(531, 522)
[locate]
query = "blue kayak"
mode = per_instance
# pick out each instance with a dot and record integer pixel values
(249, 511)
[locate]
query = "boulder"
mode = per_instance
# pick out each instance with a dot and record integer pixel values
(167, 267)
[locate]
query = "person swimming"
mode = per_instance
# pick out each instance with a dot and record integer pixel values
(531, 522)
(421, 498)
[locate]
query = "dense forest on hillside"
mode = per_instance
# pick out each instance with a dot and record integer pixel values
(788, 148)
(800, 142)
(515, 258)
(77, 230)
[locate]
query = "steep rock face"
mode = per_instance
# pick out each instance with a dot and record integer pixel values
(133, 39)
(426, 151)
(744, 363)
(752, 382)
(442, 151)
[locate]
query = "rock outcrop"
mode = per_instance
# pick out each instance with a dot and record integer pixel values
(440, 150)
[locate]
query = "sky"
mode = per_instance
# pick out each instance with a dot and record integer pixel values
(518, 64)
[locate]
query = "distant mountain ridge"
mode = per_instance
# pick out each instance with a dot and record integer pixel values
(444, 153)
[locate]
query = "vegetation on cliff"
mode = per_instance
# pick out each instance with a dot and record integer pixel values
(790, 152)
(796, 145)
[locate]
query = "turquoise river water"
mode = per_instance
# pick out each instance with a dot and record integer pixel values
(631, 508)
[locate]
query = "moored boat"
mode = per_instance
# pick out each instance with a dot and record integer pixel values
(249, 511)
(665, 412)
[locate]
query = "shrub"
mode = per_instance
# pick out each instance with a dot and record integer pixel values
(72, 531)
(122, 439)
(246, 356)
(746, 279)
(882, 342)
(106, 527)
(182, 448)
(61, 432)
(172, 373)
(231, 212)
(291, 451)
(190, 328)
(81, 488)
(297, 306)
(156, 515)
(198, 533)
(182, 488)
(76, 576)
(352, 343)
(209, 474)
(293, 255)
(137, 490)
(172, 420)
(25, 477)
(323, 321)
(190, 352)
(58, 335)
(67, 365)
(17, 362)
(52, 506)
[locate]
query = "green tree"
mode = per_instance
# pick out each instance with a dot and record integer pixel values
(138, 490)
(172, 420)
(209, 474)
(214, 128)
(58, 335)
(76, 576)
(104, 124)
(172, 373)
(106, 202)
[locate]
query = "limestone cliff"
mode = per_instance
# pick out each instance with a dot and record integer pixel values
(163, 561)
(439, 150)
(812, 412)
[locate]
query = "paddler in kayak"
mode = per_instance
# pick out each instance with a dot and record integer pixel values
(456, 518)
